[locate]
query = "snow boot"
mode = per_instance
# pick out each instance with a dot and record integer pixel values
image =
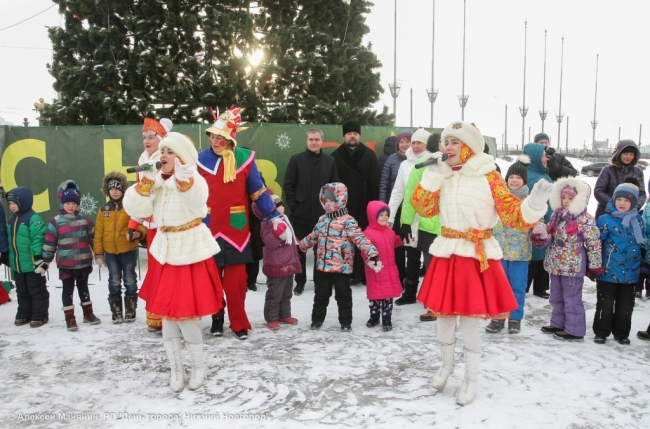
(198, 367)
(446, 367)
(130, 305)
(495, 326)
(470, 381)
(173, 349)
(514, 326)
(371, 323)
(217, 324)
(387, 326)
(410, 290)
(89, 316)
(299, 289)
(22, 322)
(70, 321)
(429, 316)
(116, 309)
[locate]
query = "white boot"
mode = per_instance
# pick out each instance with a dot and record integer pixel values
(470, 381)
(198, 367)
(173, 349)
(446, 367)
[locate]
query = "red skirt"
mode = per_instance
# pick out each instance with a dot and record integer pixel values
(182, 292)
(456, 287)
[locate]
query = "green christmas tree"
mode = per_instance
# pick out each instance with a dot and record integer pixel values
(118, 61)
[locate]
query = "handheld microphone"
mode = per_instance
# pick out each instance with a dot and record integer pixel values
(431, 160)
(144, 167)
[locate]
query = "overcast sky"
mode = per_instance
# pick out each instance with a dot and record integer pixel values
(494, 63)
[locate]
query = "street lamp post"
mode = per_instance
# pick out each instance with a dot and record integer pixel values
(462, 99)
(594, 123)
(560, 116)
(543, 112)
(567, 134)
(394, 90)
(524, 109)
(434, 92)
(505, 132)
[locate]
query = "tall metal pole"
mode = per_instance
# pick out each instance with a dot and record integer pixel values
(640, 127)
(395, 65)
(505, 133)
(560, 116)
(523, 109)
(594, 123)
(433, 51)
(411, 107)
(463, 98)
(567, 134)
(542, 113)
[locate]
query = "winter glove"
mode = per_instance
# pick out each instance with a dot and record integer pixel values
(405, 233)
(375, 264)
(540, 231)
(593, 273)
(133, 235)
(281, 230)
(99, 260)
(40, 267)
(4, 258)
(183, 172)
(151, 173)
(539, 195)
(550, 152)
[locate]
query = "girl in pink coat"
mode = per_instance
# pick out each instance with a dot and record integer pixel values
(383, 283)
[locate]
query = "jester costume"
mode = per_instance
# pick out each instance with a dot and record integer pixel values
(232, 177)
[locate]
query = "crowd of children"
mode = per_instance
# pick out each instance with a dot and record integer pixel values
(480, 265)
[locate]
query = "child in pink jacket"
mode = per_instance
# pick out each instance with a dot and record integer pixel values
(384, 285)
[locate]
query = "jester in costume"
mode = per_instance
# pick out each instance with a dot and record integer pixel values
(232, 177)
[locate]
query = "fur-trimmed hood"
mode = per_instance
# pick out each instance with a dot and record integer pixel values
(616, 156)
(114, 175)
(580, 201)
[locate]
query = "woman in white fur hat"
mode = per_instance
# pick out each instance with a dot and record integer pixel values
(183, 285)
(464, 277)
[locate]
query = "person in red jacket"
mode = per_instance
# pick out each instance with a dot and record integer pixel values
(232, 177)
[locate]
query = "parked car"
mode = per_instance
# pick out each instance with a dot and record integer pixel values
(592, 170)
(642, 164)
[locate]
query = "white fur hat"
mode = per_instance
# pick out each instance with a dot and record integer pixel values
(420, 135)
(182, 146)
(465, 132)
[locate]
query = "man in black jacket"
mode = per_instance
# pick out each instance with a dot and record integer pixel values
(558, 165)
(306, 174)
(357, 168)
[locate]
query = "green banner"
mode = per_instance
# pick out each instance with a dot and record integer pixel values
(40, 158)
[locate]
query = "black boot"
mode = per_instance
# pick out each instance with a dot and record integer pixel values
(299, 289)
(410, 290)
(217, 324)
(116, 309)
(130, 305)
(644, 335)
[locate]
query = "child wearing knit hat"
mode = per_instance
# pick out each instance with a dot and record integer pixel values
(621, 232)
(517, 251)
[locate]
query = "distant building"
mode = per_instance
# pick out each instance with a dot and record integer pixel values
(3, 122)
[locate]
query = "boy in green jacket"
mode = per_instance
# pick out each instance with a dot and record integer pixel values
(26, 231)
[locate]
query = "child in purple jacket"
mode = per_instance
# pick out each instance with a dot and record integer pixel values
(280, 263)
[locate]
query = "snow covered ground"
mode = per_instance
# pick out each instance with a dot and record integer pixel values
(118, 375)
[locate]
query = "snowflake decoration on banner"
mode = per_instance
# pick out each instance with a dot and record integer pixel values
(283, 141)
(88, 205)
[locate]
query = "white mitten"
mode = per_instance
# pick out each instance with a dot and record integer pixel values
(540, 194)
(99, 260)
(281, 230)
(375, 264)
(151, 173)
(183, 172)
(379, 266)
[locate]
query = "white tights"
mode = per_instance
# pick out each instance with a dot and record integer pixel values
(188, 328)
(468, 327)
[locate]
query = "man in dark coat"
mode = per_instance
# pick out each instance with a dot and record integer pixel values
(558, 165)
(357, 168)
(306, 174)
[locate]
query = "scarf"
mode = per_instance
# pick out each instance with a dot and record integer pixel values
(558, 216)
(520, 193)
(627, 217)
(229, 170)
